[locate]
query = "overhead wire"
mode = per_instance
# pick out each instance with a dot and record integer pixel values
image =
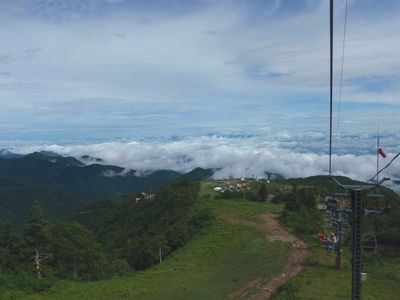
(340, 100)
(340, 97)
(393, 159)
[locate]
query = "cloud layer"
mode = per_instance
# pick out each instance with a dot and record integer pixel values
(232, 156)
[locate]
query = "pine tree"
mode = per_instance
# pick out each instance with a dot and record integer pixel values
(8, 255)
(36, 239)
(8, 239)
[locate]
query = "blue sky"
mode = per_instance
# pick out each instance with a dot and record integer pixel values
(109, 69)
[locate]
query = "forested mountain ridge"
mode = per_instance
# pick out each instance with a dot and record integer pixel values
(62, 184)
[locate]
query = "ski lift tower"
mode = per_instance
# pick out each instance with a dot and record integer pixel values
(356, 192)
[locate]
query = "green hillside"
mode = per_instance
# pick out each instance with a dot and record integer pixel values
(217, 261)
(227, 256)
(63, 184)
(210, 267)
(199, 174)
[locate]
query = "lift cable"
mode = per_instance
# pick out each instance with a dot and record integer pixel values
(393, 159)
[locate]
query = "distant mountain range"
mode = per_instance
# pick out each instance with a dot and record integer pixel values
(5, 153)
(62, 184)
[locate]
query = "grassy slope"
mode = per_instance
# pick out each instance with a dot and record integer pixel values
(211, 266)
(320, 280)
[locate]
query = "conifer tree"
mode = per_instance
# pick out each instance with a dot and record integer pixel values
(36, 239)
(8, 239)
(8, 257)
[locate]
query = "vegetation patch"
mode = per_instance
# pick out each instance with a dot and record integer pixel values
(210, 266)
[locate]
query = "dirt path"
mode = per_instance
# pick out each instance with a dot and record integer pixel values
(274, 231)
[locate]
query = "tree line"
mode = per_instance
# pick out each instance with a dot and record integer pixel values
(300, 212)
(127, 236)
(48, 250)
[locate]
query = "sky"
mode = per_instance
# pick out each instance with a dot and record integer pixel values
(99, 72)
(77, 69)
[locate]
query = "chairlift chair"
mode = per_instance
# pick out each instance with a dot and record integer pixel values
(331, 203)
(369, 243)
(345, 228)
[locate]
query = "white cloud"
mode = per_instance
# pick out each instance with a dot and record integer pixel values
(233, 157)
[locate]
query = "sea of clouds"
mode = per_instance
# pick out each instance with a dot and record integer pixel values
(240, 156)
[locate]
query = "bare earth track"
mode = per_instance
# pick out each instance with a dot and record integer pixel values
(274, 231)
